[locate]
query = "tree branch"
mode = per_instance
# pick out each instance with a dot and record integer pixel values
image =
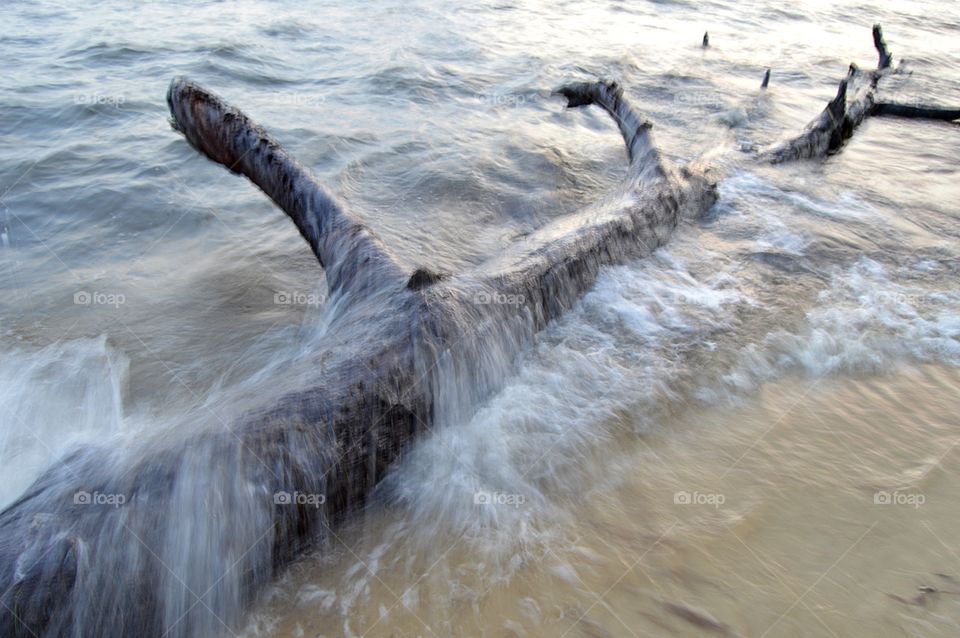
(347, 249)
(854, 102)
(885, 57)
(919, 112)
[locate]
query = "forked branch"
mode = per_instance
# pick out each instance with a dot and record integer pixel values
(855, 101)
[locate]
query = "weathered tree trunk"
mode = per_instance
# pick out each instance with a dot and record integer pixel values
(154, 566)
(203, 526)
(855, 101)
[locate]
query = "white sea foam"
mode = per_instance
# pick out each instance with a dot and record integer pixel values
(524, 453)
(629, 349)
(864, 321)
(53, 399)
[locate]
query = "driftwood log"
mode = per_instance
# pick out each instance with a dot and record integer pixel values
(405, 350)
(344, 416)
(855, 101)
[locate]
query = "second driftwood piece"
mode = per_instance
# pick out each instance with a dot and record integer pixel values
(855, 101)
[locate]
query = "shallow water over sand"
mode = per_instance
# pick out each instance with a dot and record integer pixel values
(816, 508)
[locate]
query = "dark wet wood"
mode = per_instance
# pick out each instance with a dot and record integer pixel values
(826, 134)
(918, 112)
(855, 101)
(884, 57)
(335, 421)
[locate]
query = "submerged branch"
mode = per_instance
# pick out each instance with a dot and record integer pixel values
(855, 101)
(885, 58)
(919, 112)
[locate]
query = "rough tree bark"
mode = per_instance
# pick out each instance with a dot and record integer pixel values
(402, 340)
(336, 422)
(855, 101)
